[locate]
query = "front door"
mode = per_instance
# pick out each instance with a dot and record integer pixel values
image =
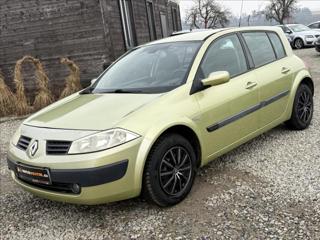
(227, 111)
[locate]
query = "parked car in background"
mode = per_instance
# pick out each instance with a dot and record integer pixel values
(315, 26)
(301, 35)
(159, 113)
(290, 38)
(317, 45)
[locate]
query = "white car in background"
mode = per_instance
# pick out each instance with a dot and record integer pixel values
(300, 35)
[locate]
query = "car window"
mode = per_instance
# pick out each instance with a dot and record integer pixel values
(225, 54)
(154, 68)
(260, 48)
(314, 25)
(299, 28)
(285, 29)
(277, 45)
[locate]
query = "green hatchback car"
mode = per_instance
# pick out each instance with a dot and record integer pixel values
(159, 113)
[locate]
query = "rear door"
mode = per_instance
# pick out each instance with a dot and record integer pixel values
(273, 74)
(227, 110)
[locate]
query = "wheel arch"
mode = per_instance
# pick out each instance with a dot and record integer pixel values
(308, 81)
(184, 128)
(296, 38)
(190, 135)
(303, 77)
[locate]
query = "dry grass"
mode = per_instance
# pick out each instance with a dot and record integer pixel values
(7, 99)
(43, 96)
(23, 106)
(19, 104)
(73, 80)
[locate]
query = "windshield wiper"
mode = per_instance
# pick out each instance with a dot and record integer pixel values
(120, 91)
(89, 90)
(127, 91)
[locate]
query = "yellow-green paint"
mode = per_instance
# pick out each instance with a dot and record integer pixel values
(149, 115)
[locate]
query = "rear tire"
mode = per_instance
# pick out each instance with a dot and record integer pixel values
(302, 111)
(169, 171)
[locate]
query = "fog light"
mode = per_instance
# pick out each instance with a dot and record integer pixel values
(75, 188)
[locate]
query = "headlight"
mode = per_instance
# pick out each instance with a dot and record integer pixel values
(309, 36)
(102, 141)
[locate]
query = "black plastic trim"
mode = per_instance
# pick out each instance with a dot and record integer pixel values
(84, 177)
(246, 112)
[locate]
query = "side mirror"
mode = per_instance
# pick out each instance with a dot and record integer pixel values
(288, 31)
(93, 81)
(216, 78)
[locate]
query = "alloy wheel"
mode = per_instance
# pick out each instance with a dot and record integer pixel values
(304, 108)
(298, 44)
(175, 171)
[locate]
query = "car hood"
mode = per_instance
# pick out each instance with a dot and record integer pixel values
(90, 111)
(304, 33)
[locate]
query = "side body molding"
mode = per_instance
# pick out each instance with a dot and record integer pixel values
(246, 112)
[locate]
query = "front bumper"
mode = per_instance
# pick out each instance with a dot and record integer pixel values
(102, 176)
(309, 42)
(64, 180)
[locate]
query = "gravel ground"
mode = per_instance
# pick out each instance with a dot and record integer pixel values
(268, 188)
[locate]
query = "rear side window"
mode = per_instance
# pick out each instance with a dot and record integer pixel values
(260, 48)
(225, 54)
(277, 45)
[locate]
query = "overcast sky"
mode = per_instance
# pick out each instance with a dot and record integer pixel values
(248, 5)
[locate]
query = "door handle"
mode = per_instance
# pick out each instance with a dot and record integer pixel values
(285, 70)
(251, 85)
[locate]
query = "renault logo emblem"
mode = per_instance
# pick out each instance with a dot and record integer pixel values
(33, 148)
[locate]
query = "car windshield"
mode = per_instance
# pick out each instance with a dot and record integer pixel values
(149, 69)
(299, 28)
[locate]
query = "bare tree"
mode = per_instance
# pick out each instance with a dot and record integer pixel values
(280, 10)
(207, 14)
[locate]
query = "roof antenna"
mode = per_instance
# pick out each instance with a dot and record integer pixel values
(240, 13)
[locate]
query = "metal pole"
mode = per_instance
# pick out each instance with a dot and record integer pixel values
(240, 13)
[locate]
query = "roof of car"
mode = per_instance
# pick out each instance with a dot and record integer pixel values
(293, 24)
(290, 24)
(202, 35)
(190, 36)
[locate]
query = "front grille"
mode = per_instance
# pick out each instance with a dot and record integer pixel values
(55, 147)
(23, 142)
(56, 187)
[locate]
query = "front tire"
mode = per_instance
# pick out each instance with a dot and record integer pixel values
(302, 111)
(298, 43)
(169, 171)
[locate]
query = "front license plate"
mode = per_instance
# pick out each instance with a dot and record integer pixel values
(33, 174)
